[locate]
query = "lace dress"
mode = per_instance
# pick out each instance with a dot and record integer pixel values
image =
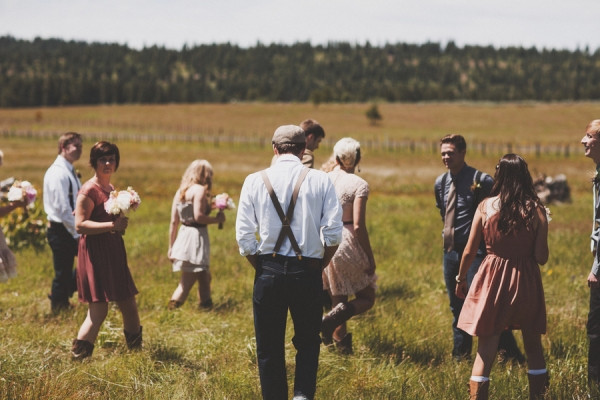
(345, 274)
(507, 290)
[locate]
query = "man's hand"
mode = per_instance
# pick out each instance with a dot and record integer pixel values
(253, 260)
(592, 281)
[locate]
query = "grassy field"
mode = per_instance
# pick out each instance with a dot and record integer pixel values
(402, 346)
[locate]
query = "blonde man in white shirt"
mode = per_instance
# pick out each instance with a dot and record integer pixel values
(61, 185)
(288, 259)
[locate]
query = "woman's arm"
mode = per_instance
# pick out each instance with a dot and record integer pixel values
(7, 209)
(174, 224)
(200, 201)
(359, 217)
(469, 253)
(541, 238)
(83, 224)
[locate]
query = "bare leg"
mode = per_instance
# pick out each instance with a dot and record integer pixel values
(204, 279)
(185, 285)
(91, 326)
(131, 318)
(487, 347)
(363, 302)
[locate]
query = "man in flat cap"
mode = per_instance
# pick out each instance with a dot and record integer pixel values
(297, 216)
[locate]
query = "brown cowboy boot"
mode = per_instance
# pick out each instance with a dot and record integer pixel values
(337, 316)
(133, 340)
(81, 349)
(538, 386)
(478, 390)
(174, 304)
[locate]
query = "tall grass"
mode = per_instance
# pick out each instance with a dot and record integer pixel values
(402, 345)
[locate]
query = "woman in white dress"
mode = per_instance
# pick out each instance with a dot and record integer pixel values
(189, 247)
(352, 268)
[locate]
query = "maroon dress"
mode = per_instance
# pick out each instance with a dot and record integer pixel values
(102, 271)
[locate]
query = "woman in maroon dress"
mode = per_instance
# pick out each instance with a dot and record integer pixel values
(507, 291)
(102, 271)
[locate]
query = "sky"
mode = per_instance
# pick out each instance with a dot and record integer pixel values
(551, 24)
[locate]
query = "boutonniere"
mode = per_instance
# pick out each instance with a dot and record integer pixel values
(475, 186)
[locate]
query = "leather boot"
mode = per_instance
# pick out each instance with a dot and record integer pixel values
(478, 390)
(81, 349)
(174, 304)
(337, 316)
(344, 345)
(538, 386)
(133, 340)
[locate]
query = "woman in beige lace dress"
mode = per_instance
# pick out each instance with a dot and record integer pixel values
(352, 268)
(189, 247)
(8, 263)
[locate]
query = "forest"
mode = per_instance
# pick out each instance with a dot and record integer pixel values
(54, 72)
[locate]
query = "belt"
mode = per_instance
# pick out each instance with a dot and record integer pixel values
(305, 261)
(348, 222)
(194, 225)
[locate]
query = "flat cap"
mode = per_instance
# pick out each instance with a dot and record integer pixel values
(288, 134)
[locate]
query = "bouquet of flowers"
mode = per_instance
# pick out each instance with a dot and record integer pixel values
(22, 191)
(121, 201)
(223, 202)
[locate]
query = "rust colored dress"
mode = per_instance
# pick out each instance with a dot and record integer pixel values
(507, 290)
(102, 271)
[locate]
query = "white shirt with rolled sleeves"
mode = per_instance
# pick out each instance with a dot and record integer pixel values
(317, 220)
(56, 193)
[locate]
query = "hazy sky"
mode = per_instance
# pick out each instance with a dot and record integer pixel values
(173, 23)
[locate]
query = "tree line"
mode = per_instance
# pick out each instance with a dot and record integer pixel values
(52, 72)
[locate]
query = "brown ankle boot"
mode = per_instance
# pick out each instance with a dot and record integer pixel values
(538, 386)
(133, 340)
(478, 390)
(81, 349)
(173, 304)
(337, 316)
(344, 345)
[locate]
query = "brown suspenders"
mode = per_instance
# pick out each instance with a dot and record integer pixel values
(286, 219)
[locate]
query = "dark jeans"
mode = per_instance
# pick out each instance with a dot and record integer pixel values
(593, 332)
(463, 342)
(283, 283)
(64, 250)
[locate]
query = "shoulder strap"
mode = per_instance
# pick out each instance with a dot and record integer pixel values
(286, 219)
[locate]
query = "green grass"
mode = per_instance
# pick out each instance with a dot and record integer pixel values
(402, 345)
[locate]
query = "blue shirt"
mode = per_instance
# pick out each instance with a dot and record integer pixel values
(465, 199)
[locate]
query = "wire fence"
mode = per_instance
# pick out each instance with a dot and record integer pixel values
(221, 138)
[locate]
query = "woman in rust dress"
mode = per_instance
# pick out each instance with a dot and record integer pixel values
(507, 291)
(102, 271)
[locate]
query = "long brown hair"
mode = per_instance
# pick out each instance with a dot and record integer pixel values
(518, 200)
(198, 172)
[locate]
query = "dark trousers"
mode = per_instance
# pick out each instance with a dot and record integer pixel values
(283, 283)
(64, 250)
(593, 332)
(463, 342)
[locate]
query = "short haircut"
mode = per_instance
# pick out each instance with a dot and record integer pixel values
(310, 126)
(66, 139)
(290, 148)
(457, 140)
(101, 149)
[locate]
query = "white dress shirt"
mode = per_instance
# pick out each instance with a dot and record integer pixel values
(56, 193)
(317, 217)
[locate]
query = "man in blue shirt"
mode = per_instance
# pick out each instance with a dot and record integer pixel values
(470, 187)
